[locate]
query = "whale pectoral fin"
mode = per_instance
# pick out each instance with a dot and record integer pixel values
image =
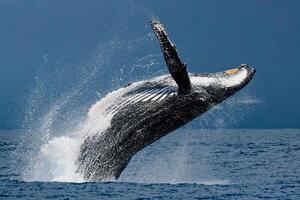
(177, 69)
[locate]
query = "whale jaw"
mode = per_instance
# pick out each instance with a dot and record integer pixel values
(230, 79)
(221, 85)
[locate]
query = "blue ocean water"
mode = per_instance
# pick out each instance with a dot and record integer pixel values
(186, 164)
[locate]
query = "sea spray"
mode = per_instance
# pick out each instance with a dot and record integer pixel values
(57, 158)
(56, 119)
(56, 161)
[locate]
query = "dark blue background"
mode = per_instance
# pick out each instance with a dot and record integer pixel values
(49, 45)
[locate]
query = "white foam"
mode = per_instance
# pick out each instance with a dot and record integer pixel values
(56, 161)
(57, 158)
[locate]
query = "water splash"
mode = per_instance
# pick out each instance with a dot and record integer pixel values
(56, 160)
(55, 130)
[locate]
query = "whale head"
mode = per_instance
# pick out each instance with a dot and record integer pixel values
(216, 87)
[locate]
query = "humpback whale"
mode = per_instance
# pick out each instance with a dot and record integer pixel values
(145, 111)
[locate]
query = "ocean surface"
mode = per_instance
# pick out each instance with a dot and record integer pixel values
(186, 164)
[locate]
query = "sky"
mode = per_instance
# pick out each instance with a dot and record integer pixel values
(57, 58)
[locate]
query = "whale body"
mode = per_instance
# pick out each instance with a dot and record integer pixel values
(145, 111)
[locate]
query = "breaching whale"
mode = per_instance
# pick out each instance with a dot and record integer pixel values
(145, 111)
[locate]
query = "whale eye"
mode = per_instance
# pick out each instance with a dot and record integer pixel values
(232, 71)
